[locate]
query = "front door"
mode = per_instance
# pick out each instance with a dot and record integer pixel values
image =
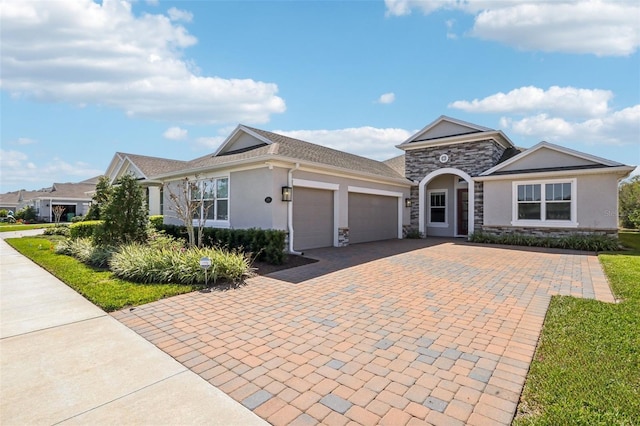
(463, 211)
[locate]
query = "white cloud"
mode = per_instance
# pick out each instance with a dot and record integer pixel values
(370, 142)
(557, 100)
(19, 172)
(180, 15)
(175, 133)
(599, 27)
(387, 98)
(618, 128)
(25, 141)
(82, 52)
(212, 142)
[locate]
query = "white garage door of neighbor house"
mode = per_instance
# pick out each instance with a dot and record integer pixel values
(312, 218)
(372, 217)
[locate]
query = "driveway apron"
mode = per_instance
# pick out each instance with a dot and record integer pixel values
(396, 332)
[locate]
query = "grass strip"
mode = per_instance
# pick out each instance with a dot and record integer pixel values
(99, 286)
(586, 370)
(6, 227)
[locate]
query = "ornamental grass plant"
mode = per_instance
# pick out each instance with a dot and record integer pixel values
(145, 264)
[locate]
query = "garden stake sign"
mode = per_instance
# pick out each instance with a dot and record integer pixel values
(205, 263)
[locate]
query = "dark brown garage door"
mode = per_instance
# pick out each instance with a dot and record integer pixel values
(312, 218)
(372, 217)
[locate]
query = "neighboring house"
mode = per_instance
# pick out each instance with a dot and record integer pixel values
(454, 178)
(72, 196)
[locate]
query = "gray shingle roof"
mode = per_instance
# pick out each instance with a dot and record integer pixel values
(153, 166)
(284, 146)
(397, 164)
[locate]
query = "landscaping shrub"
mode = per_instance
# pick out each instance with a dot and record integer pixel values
(573, 242)
(58, 229)
(263, 244)
(85, 251)
(144, 264)
(84, 229)
(413, 234)
(124, 214)
(156, 221)
(77, 219)
(4, 213)
(27, 214)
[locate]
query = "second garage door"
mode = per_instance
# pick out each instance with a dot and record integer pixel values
(312, 218)
(372, 217)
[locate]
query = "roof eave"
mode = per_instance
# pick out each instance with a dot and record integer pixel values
(496, 135)
(622, 171)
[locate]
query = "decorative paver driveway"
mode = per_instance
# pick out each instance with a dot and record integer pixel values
(399, 332)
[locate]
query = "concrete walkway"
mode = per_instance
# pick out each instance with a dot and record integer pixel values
(63, 360)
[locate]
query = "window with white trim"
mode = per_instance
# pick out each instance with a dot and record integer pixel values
(437, 207)
(545, 203)
(214, 197)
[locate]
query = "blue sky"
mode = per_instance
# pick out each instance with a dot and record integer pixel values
(81, 80)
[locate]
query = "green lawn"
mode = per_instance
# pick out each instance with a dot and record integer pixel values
(586, 370)
(99, 286)
(10, 227)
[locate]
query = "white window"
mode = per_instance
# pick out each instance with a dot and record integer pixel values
(437, 209)
(545, 203)
(214, 197)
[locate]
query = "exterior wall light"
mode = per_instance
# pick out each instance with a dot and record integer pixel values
(407, 202)
(287, 193)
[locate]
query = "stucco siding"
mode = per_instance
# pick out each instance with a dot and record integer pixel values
(446, 128)
(598, 201)
(247, 192)
(596, 198)
(497, 203)
(546, 158)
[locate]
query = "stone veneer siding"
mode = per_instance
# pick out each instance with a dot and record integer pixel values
(545, 232)
(343, 237)
(472, 158)
(478, 213)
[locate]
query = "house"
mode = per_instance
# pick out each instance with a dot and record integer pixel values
(454, 178)
(73, 197)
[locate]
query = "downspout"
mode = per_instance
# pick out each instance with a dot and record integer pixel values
(290, 210)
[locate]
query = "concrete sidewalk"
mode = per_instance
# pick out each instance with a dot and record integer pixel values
(63, 360)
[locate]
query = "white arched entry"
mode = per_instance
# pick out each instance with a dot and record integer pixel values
(422, 195)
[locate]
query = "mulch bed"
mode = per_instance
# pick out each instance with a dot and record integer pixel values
(290, 261)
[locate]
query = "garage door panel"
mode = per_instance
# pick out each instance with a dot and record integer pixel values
(372, 217)
(312, 218)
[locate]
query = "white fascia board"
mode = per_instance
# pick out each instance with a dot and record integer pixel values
(496, 135)
(239, 128)
(621, 170)
(135, 166)
(440, 120)
(315, 184)
(552, 147)
(372, 191)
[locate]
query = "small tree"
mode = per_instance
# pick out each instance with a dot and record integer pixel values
(629, 200)
(57, 212)
(188, 204)
(100, 198)
(125, 214)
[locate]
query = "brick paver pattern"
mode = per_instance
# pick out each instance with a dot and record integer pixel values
(398, 332)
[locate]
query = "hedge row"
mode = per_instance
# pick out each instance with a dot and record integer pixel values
(263, 244)
(84, 229)
(573, 242)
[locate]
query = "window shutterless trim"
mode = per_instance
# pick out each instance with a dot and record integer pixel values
(572, 223)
